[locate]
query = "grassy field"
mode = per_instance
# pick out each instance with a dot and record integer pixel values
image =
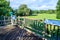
(42, 16)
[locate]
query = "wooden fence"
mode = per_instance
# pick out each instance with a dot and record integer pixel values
(36, 26)
(4, 20)
(53, 31)
(47, 31)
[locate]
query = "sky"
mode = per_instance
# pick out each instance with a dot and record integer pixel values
(35, 4)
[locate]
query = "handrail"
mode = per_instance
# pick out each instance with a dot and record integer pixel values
(49, 32)
(5, 21)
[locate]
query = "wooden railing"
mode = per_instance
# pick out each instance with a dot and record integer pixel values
(47, 31)
(4, 20)
(53, 31)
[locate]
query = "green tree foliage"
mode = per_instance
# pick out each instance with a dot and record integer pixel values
(4, 7)
(23, 10)
(58, 9)
(50, 11)
(43, 11)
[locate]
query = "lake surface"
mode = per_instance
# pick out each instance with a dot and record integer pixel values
(52, 22)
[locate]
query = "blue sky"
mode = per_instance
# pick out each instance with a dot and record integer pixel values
(35, 4)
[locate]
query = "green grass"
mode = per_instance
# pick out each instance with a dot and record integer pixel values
(42, 16)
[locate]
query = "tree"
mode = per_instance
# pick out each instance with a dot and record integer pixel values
(23, 10)
(4, 7)
(58, 9)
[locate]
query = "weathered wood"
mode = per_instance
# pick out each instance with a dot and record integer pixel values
(5, 20)
(57, 33)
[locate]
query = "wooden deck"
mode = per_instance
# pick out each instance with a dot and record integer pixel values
(18, 34)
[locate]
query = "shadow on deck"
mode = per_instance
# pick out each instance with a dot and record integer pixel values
(19, 34)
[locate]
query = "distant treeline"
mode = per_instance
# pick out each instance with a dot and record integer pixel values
(23, 10)
(44, 11)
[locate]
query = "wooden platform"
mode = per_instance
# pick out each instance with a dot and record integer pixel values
(18, 34)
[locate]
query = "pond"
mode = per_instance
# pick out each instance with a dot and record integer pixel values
(52, 22)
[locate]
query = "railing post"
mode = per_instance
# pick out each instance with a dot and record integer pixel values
(57, 33)
(44, 30)
(11, 21)
(54, 31)
(50, 28)
(47, 29)
(4, 21)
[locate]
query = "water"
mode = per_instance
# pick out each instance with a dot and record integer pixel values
(52, 22)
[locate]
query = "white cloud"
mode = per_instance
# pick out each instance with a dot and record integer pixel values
(41, 0)
(28, 1)
(11, 0)
(33, 0)
(34, 4)
(53, 1)
(43, 6)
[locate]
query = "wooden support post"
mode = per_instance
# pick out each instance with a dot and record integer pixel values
(33, 23)
(36, 23)
(54, 31)
(44, 30)
(57, 33)
(50, 27)
(4, 21)
(50, 31)
(47, 29)
(0, 22)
